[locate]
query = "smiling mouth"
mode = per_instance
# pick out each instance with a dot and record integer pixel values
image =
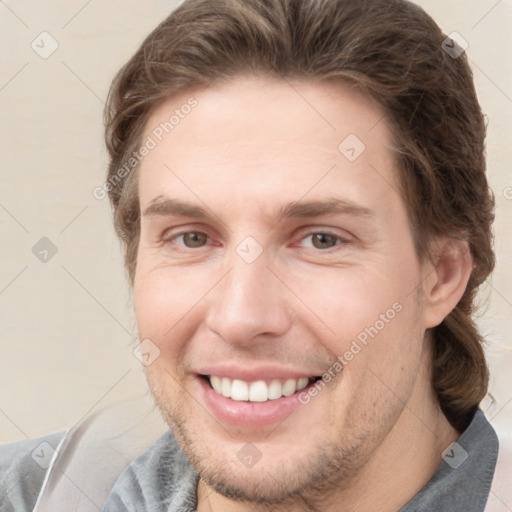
(258, 391)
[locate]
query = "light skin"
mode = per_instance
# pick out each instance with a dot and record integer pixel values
(258, 157)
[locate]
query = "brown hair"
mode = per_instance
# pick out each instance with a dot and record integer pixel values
(394, 51)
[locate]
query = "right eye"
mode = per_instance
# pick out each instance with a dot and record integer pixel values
(322, 240)
(190, 239)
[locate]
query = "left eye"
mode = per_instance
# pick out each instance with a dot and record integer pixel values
(192, 239)
(321, 240)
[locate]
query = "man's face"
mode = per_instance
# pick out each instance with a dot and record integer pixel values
(273, 242)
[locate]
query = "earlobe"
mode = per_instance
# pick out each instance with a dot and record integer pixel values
(448, 276)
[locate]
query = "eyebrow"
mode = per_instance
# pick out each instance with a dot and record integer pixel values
(302, 209)
(161, 206)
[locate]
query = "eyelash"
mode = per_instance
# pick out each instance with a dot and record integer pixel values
(171, 239)
(339, 240)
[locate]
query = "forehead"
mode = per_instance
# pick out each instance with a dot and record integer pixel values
(268, 106)
(268, 139)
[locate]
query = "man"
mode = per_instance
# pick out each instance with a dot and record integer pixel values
(300, 187)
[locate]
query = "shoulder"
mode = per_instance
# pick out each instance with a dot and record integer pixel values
(23, 467)
(463, 480)
(161, 479)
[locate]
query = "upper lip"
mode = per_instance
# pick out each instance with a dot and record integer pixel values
(255, 373)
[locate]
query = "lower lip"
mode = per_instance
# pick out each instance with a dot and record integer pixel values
(250, 414)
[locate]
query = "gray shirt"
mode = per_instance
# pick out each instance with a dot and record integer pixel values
(163, 480)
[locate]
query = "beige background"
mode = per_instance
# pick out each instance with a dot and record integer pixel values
(66, 324)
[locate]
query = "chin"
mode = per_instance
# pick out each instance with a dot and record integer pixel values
(283, 474)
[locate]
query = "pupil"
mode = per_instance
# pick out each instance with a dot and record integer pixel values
(194, 239)
(323, 240)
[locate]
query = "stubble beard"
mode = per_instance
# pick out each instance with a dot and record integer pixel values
(304, 481)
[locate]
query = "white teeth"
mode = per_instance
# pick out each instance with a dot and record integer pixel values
(216, 383)
(257, 391)
(239, 390)
(290, 386)
(225, 388)
(302, 383)
(275, 390)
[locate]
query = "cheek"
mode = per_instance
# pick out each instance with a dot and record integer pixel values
(164, 297)
(163, 309)
(389, 354)
(370, 319)
(349, 300)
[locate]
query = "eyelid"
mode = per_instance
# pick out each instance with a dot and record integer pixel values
(344, 238)
(306, 231)
(176, 234)
(174, 231)
(168, 236)
(181, 235)
(339, 240)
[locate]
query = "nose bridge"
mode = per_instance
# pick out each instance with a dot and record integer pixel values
(248, 303)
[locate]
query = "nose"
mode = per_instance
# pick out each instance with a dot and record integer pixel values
(249, 305)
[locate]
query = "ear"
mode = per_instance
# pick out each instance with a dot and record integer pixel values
(447, 277)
